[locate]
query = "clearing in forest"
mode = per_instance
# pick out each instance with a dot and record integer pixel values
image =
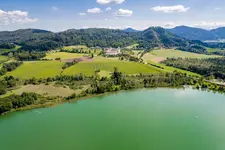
(160, 55)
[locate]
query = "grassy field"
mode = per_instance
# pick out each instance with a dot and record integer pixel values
(176, 53)
(49, 90)
(172, 69)
(160, 55)
(9, 50)
(38, 69)
(83, 49)
(2, 58)
(44, 69)
(62, 55)
(107, 65)
(75, 47)
(132, 46)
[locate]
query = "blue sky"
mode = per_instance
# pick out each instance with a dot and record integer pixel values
(58, 15)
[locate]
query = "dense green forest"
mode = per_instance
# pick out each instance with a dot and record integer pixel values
(7, 45)
(212, 67)
(41, 40)
(25, 55)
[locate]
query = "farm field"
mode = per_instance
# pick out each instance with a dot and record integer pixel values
(2, 58)
(49, 90)
(44, 69)
(37, 69)
(9, 50)
(75, 47)
(62, 55)
(83, 49)
(88, 68)
(172, 69)
(176, 53)
(160, 55)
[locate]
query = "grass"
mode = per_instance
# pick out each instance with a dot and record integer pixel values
(160, 55)
(107, 65)
(211, 50)
(42, 89)
(44, 69)
(3, 58)
(176, 53)
(172, 69)
(75, 47)
(37, 69)
(62, 55)
(9, 50)
(48, 90)
(132, 46)
(83, 49)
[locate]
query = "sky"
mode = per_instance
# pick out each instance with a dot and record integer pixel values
(60, 15)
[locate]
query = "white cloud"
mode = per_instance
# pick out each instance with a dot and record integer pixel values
(209, 25)
(124, 13)
(15, 17)
(108, 9)
(54, 8)
(110, 1)
(170, 9)
(82, 14)
(94, 10)
(217, 8)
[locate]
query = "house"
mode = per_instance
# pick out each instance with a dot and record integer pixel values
(112, 51)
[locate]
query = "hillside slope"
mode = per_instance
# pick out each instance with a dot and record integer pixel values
(34, 39)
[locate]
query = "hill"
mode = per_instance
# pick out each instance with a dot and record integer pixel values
(194, 33)
(41, 40)
(130, 30)
(159, 37)
(198, 34)
(220, 32)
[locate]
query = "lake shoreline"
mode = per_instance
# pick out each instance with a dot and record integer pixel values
(63, 100)
(60, 100)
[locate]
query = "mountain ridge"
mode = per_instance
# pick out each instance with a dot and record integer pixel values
(36, 39)
(193, 33)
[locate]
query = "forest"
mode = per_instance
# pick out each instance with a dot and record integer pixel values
(41, 40)
(210, 68)
(25, 55)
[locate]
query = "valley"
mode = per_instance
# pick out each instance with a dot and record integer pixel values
(71, 72)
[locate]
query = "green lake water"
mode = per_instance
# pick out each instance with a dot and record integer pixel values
(158, 119)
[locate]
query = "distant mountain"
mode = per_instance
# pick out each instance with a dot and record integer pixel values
(194, 33)
(41, 40)
(130, 30)
(159, 37)
(220, 32)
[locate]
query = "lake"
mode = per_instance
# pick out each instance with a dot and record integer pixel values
(155, 119)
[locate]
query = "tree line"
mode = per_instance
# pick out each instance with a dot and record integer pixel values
(7, 67)
(98, 85)
(25, 55)
(210, 68)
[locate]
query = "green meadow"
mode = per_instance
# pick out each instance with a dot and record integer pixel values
(171, 69)
(38, 69)
(2, 58)
(177, 53)
(62, 55)
(9, 50)
(75, 47)
(44, 69)
(88, 68)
